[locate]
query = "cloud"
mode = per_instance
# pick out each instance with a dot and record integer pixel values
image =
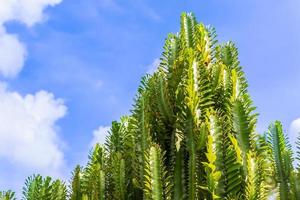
(153, 67)
(26, 11)
(28, 130)
(99, 135)
(29, 137)
(29, 141)
(12, 55)
(294, 132)
(12, 50)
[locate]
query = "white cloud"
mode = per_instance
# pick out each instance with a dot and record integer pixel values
(153, 67)
(12, 55)
(12, 51)
(29, 141)
(99, 135)
(28, 130)
(294, 132)
(26, 11)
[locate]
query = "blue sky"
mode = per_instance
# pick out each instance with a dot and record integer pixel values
(88, 58)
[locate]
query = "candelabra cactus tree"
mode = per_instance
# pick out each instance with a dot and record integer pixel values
(190, 135)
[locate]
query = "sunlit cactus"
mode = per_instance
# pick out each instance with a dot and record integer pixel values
(191, 135)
